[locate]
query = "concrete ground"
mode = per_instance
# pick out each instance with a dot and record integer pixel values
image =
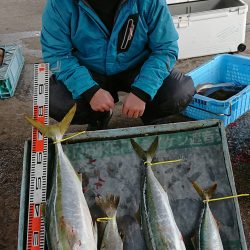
(20, 23)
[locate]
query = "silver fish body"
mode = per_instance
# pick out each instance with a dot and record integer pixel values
(69, 223)
(68, 220)
(158, 223)
(111, 238)
(157, 216)
(209, 236)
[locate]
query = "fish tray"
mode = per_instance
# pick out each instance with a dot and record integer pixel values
(222, 68)
(10, 69)
(110, 165)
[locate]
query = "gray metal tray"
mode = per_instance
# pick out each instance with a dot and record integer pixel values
(109, 165)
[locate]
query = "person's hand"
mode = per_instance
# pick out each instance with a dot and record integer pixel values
(133, 106)
(102, 101)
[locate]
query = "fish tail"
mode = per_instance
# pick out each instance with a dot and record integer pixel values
(54, 131)
(108, 204)
(205, 193)
(146, 155)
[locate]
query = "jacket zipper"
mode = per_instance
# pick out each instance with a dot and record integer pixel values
(118, 9)
(88, 5)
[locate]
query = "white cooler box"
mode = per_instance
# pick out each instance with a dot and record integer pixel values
(209, 26)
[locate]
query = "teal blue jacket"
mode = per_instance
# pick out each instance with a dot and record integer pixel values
(74, 40)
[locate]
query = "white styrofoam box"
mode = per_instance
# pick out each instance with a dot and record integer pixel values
(210, 26)
(179, 1)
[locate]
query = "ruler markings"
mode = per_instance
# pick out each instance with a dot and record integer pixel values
(39, 156)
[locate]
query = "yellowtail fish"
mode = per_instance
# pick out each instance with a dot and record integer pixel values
(158, 223)
(111, 237)
(68, 220)
(208, 234)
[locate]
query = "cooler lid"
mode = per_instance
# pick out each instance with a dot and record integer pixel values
(180, 1)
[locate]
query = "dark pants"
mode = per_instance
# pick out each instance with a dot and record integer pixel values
(173, 96)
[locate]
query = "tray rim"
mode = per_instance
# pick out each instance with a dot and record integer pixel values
(125, 133)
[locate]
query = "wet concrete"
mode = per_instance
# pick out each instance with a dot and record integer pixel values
(20, 23)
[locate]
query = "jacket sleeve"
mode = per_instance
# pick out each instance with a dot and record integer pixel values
(57, 50)
(162, 41)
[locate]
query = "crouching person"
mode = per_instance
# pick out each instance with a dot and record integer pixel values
(97, 48)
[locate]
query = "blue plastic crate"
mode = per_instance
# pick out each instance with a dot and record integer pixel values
(222, 68)
(10, 69)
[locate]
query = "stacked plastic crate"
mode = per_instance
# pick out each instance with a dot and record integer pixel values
(11, 65)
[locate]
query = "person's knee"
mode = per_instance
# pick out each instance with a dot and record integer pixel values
(181, 95)
(185, 93)
(60, 99)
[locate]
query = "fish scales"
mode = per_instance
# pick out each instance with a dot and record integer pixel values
(163, 232)
(68, 220)
(209, 238)
(208, 233)
(158, 224)
(111, 237)
(71, 214)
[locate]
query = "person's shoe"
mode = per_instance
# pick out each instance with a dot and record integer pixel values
(101, 123)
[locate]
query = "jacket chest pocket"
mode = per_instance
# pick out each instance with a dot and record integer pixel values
(131, 31)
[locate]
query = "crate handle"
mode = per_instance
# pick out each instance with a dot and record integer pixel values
(230, 105)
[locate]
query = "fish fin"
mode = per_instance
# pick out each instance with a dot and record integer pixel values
(146, 155)
(198, 189)
(138, 216)
(79, 176)
(153, 147)
(95, 232)
(108, 204)
(218, 223)
(210, 191)
(122, 235)
(137, 148)
(52, 131)
(64, 124)
(44, 129)
(194, 241)
(207, 193)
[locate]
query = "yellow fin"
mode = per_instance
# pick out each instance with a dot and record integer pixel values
(205, 194)
(145, 155)
(64, 124)
(108, 204)
(79, 175)
(55, 131)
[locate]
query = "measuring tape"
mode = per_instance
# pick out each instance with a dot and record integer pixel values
(39, 159)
